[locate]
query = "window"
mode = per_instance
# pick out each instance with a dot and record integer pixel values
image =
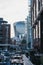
(42, 2)
(36, 31)
(39, 29)
(38, 5)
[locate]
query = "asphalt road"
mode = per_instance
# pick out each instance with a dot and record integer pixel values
(26, 61)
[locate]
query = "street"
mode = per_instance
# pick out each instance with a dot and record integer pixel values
(26, 61)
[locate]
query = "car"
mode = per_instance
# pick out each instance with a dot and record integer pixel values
(16, 59)
(1, 58)
(6, 55)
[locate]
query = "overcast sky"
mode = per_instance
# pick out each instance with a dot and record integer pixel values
(13, 10)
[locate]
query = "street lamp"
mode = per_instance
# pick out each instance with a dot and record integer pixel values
(6, 38)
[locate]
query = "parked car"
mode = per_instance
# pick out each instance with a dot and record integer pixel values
(16, 60)
(6, 55)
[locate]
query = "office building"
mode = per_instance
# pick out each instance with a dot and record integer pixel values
(19, 28)
(28, 24)
(4, 34)
(37, 24)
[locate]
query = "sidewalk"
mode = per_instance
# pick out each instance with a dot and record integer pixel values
(26, 61)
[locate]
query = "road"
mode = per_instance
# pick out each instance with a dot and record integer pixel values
(26, 61)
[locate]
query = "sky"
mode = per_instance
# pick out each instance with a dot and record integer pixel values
(13, 11)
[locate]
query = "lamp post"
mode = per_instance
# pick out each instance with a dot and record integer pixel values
(6, 38)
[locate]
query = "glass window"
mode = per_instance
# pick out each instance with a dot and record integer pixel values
(42, 2)
(38, 5)
(34, 12)
(36, 31)
(39, 29)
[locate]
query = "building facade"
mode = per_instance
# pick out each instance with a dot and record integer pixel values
(28, 26)
(29, 36)
(4, 34)
(37, 24)
(19, 28)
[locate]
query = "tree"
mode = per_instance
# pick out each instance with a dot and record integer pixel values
(23, 41)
